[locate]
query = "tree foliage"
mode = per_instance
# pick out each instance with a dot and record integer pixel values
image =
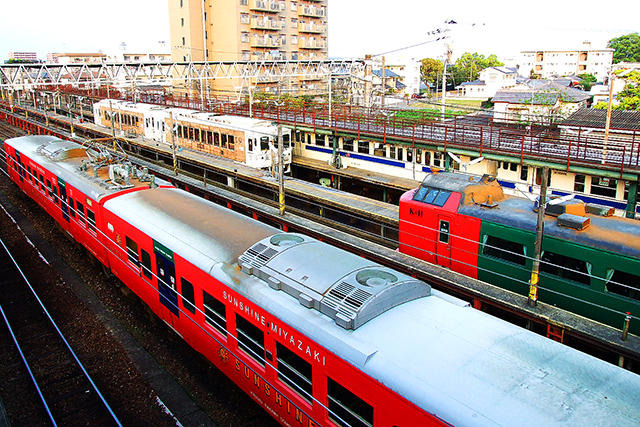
(629, 97)
(587, 81)
(430, 69)
(469, 65)
(627, 48)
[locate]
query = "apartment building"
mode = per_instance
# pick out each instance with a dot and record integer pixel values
(249, 30)
(76, 58)
(557, 62)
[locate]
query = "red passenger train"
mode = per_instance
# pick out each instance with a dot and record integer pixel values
(315, 335)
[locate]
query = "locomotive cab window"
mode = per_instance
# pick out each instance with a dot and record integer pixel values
(132, 251)
(504, 249)
(565, 267)
(264, 143)
(215, 313)
(188, 301)
(623, 283)
(250, 339)
(347, 409)
(294, 371)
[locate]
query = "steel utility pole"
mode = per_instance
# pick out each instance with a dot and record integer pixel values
(173, 145)
(384, 81)
(280, 171)
(608, 122)
(330, 99)
(533, 283)
(444, 80)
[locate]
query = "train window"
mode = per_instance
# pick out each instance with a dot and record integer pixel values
(146, 263)
(264, 143)
(132, 250)
(50, 189)
(299, 136)
(418, 155)
(504, 249)
(443, 236)
(72, 210)
(188, 301)
(294, 371)
(179, 131)
(216, 139)
(320, 140)
(250, 142)
(250, 339)
(392, 151)
(91, 219)
(410, 155)
(524, 173)
(565, 267)
(578, 183)
(379, 149)
(215, 313)
(41, 182)
(80, 210)
(623, 283)
(347, 409)
(347, 144)
(197, 135)
(223, 140)
(363, 147)
(231, 142)
(286, 138)
(209, 137)
(191, 134)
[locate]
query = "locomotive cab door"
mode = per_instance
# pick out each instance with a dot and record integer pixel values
(166, 269)
(443, 242)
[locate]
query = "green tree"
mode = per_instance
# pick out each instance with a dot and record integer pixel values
(627, 48)
(629, 97)
(430, 70)
(587, 81)
(469, 65)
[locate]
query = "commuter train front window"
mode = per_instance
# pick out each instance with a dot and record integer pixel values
(623, 283)
(504, 249)
(264, 143)
(215, 313)
(565, 267)
(294, 371)
(347, 409)
(250, 339)
(132, 251)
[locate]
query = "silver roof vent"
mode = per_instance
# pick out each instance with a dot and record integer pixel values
(341, 285)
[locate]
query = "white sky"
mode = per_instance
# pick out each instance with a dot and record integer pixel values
(356, 27)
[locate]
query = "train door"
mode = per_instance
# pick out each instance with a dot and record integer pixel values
(63, 199)
(166, 269)
(443, 244)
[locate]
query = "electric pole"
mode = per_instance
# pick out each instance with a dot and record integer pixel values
(533, 283)
(280, 171)
(608, 122)
(384, 82)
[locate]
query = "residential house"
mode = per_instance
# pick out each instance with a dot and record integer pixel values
(490, 81)
(538, 100)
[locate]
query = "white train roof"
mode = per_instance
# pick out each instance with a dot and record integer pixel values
(454, 361)
(194, 228)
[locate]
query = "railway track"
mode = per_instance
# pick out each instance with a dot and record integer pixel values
(69, 396)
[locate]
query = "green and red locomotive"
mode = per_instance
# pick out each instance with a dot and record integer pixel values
(590, 265)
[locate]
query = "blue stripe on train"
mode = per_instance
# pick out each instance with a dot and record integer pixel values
(358, 156)
(588, 199)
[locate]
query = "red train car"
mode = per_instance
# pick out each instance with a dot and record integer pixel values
(315, 335)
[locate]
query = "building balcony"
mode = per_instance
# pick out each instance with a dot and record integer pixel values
(265, 24)
(311, 28)
(312, 11)
(264, 6)
(311, 44)
(265, 42)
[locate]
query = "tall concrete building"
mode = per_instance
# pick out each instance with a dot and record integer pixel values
(248, 30)
(557, 62)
